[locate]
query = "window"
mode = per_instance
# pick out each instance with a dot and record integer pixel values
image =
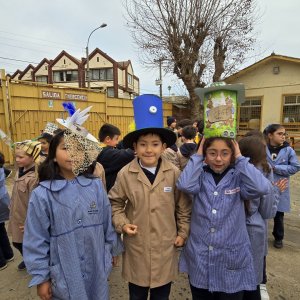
(102, 74)
(110, 92)
(130, 79)
(61, 76)
(291, 109)
(41, 79)
(249, 110)
(97, 58)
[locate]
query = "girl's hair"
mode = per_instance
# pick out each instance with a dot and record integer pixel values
(208, 142)
(2, 159)
(49, 169)
(255, 148)
(272, 128)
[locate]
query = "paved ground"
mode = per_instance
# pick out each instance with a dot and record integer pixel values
(283, 266)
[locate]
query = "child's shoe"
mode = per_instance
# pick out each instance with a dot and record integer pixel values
(3, 266)
(263, 292)
(10, 259)
(21, 266)
(278, 244)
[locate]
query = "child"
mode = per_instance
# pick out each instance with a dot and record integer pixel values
(69, 239)
(284, 163)
(217, 256)
(26, 154)
(111, 158)
(260, 209)
(45, 139)
(6, 252)
(147, 208)
(188, 147)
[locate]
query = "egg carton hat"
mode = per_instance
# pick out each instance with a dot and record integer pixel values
(82, 147)
(148, 117)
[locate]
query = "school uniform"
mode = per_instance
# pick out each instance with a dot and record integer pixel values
(113, 160)
(259, 211)
(24, 183)
(160, 211)
(6, 252)
(285, 163)
(217, 255)
(69, 238)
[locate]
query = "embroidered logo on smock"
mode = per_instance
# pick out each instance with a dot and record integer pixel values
(167, 189)
(233, 191)
(93, 208)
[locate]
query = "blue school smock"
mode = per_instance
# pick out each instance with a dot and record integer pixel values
(4, 198)
(69, 238)
(259, 211)
(217, 255)
(285, 165)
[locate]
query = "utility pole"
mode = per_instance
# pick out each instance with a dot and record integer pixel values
(159, 80)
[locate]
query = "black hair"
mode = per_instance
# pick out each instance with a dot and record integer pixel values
(2, 159)
(200, 126)
(46, 136)
(208, 142)
(49, 169)
(184, 122)
(189, 132)
(153, 133)
(270, 129)
(108, 130)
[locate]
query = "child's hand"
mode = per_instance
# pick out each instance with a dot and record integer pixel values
(179, 241)
(130, 229)
(44, 290)
(200, 149)
(21, 227)
(282, 184)
(237, 151)
(115, 261)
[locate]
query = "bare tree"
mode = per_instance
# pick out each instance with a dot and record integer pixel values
(199, 40)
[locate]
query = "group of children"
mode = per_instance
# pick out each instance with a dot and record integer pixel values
(216, 208)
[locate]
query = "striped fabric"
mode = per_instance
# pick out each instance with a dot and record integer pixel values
(217, 255)
(69, 238)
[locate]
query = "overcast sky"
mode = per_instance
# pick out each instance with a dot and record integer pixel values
(33, 29)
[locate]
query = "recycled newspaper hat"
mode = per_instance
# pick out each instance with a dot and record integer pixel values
(32, 148)
(82, 147)
(148, 116)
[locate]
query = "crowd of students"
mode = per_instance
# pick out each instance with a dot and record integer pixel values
(157, 190)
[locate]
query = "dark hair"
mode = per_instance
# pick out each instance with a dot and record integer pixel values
(257, 133)
(255, 148)
(200, 126)
(2, 159)
(49, 169)
(108, 130)
(153, 133)
(272, 128)
(189, 132)
(208, 142)
(184, 122)
(46, 136)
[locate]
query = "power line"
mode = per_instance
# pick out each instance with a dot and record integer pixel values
(14, 59)
(30, 37)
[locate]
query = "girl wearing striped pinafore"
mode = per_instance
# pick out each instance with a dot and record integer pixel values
(217, 255)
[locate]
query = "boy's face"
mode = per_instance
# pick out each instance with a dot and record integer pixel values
(44, 145)
(23, 160)
(112, 141)
(148, 149)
